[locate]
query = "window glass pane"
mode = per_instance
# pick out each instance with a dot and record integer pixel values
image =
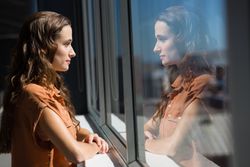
(181, 81)
(117, 117)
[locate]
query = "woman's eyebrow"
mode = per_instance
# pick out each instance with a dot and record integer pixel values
(68, 40)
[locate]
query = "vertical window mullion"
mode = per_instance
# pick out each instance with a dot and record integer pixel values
(87, 52)
(99, 54)
(128, 85)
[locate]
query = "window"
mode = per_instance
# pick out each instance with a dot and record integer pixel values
(110, 34)
(126, 77)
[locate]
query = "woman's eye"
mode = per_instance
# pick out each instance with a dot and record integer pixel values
(67, 44)
(161, 38)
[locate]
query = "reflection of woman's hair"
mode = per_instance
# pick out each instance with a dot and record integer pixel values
(189, 29)
(192, 40)
(31, 63)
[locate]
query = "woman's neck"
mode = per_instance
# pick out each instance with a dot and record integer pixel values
(173, 72)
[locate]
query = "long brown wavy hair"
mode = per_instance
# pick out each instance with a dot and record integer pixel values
(192, 39)
(31, 63)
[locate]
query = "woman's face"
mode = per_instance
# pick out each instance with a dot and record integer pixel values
(165, 45)
(64, 51)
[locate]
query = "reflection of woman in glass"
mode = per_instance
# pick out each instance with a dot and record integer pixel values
(181, 43)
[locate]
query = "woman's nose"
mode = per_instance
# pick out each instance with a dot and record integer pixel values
(72, 52)
(156, 48)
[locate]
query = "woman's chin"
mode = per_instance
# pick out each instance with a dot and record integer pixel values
(169, 63)
(62, 70)
(165, 63)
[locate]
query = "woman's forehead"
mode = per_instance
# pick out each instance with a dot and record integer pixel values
(161, 28)
(65, 33)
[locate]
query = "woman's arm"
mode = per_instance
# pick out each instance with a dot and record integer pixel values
(82, 133)
(151, 128)
(170, 145)
(75, 151)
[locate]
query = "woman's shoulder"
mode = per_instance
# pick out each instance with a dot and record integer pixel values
(35, 89)
(31, 87)
(203, 79)
(201, 82)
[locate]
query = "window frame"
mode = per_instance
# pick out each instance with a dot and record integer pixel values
(104, 42)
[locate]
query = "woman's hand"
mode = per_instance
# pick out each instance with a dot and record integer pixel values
(101, 143)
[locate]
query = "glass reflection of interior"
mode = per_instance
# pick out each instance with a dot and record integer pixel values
(214, 134)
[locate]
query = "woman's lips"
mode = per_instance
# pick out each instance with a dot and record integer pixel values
(68, 61)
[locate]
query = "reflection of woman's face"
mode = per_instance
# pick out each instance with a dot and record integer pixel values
(165, 44)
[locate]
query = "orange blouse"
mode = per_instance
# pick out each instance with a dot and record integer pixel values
(29, 147)
(184, 93)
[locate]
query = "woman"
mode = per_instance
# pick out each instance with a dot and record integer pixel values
(181, 41)
(38, 124)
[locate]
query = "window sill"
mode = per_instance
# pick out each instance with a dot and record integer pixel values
(159, 160)
(104, 160)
